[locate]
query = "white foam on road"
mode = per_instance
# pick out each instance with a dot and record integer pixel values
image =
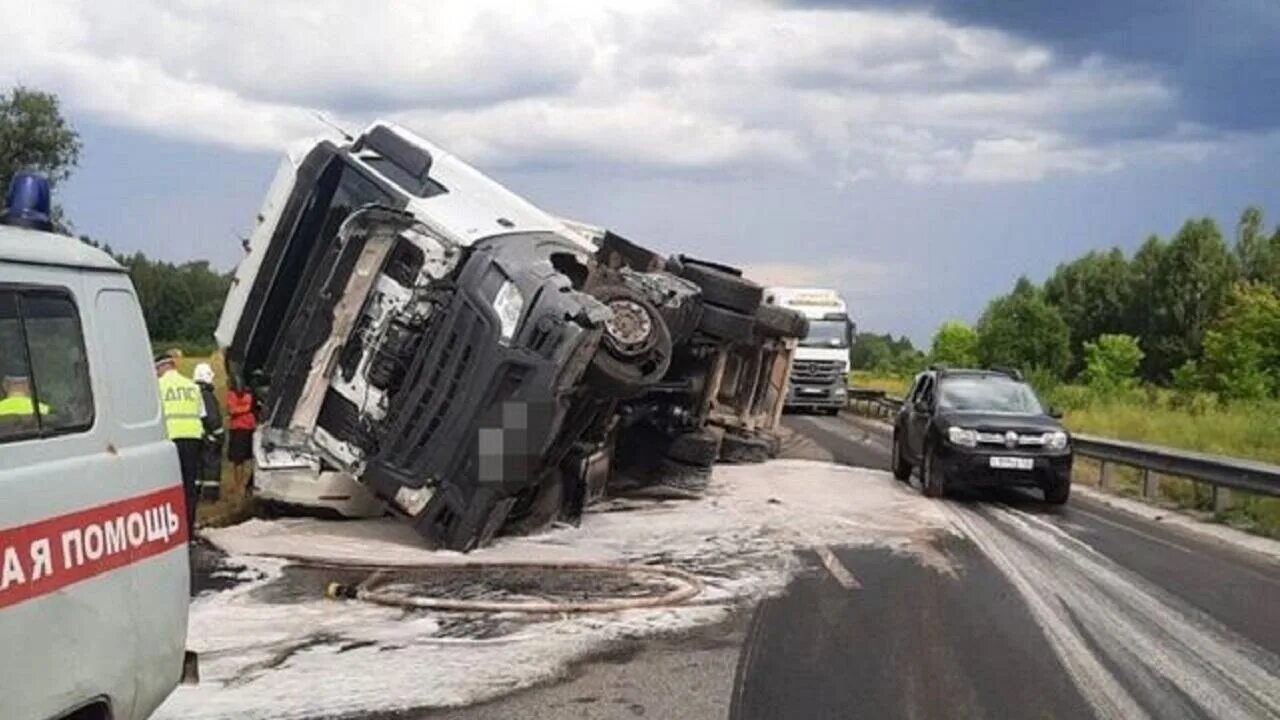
(1134, 650)
(323, 658)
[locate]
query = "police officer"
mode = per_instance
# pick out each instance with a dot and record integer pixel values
(183, 421)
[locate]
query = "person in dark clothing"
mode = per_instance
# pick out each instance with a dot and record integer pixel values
(211, 461)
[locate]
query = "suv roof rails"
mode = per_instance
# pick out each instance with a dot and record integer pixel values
(938, 367)
(1014, 373)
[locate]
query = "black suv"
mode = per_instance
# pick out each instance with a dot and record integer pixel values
(984, 428)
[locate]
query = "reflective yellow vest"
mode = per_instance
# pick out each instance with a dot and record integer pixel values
(21, 405)
(181, 400)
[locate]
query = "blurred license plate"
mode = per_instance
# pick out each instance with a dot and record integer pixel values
(1012, 463)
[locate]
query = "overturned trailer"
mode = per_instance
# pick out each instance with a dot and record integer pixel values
(477, 364)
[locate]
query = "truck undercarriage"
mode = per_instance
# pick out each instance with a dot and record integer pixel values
(491, 380)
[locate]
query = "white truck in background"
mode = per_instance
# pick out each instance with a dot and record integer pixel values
(820, 370)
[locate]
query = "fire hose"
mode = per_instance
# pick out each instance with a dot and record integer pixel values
(683, 586)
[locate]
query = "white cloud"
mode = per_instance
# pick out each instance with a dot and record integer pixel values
(654, 83)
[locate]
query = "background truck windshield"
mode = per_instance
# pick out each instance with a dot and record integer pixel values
(988, 394)
(827, 333)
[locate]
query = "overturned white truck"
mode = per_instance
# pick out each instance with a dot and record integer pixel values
(476, 363)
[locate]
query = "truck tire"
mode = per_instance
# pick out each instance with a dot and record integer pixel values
(677, 481)
(700, 448)
(539, 509)
(727, 325)
(736, 449)
(629, 361)
(774, 321)
(722, 288)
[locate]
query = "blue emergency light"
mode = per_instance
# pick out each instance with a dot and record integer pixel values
(27, 204)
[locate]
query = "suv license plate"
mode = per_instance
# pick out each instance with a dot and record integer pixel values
(1012, 463)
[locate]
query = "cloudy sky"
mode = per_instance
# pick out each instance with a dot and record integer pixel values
(918, 155)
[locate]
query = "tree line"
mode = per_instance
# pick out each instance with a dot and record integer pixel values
(1196, 311)
(181, 301)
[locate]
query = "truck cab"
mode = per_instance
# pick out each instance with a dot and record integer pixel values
(820, 370)
(410, 323)
(94, 575)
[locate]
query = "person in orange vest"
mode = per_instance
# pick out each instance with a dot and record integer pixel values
(240, 409)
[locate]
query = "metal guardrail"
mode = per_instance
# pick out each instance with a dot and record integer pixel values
(1221, 472)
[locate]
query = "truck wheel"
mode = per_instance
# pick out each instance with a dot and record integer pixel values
(635, 347)
(931, 480)
(720, 287)
(727, 325)
(1058, 493)
(774, 321)
(737, 448)
(539, 508)
(677, 481)
(901, 468)
(700, 447)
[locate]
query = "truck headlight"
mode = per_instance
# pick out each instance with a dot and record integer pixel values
(962, 437)
(509, 304)
(1056, 440)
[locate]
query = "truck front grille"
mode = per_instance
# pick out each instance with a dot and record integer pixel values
(816, 372)
(430, 397)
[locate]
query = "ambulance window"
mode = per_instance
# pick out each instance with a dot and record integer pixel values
(46, 373)
(123, 339)
(17, 416)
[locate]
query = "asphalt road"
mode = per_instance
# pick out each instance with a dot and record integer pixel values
(1025, 613)
(1073, 613)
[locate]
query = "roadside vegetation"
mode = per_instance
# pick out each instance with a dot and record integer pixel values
(1177, 345)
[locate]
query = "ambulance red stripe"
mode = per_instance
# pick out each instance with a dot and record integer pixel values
(48, 555)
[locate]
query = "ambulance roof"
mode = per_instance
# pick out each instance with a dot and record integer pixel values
(33, 247)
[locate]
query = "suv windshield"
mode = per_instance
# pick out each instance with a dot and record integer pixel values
(826, 333)
(988, 393)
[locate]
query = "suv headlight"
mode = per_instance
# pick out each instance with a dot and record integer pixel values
(1056, 440)
(509, 304)
(962, 437)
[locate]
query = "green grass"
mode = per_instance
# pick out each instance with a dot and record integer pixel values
(1242, 430)
(893, 385)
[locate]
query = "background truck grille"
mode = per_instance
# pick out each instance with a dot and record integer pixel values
(816, 372)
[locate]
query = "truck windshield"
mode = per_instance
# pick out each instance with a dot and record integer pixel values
(826, 333)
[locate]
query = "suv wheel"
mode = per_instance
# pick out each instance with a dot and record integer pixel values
(901, 468)
(931, 480)
(1058, 492)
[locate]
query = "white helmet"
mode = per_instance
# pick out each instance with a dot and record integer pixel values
(203, 373)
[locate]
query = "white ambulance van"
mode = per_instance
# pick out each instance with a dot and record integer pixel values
(94, 574)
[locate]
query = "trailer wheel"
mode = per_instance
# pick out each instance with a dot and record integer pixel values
(700, 447)
(737, 448)
(774, 321)
(674, 480)
(635, 348)
(727, 325)
(721, 287)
